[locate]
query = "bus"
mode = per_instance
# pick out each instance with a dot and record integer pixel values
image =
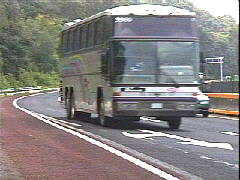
(131, 61)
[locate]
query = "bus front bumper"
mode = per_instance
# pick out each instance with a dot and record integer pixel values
(181, 107)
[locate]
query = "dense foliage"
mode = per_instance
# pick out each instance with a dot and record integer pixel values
(29, 36)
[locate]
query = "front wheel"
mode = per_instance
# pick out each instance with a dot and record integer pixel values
(71, 113)
(103, 120)
(205, 114)
(174, 122)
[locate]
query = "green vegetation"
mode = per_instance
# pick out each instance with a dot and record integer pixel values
(29, 37)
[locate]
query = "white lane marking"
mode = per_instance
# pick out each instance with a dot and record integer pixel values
(189, 141)
(57, 120)
(59, 99)
(125, 156)
(205, 157)
(35, 94)
(51, 92)
(230, 133)
(235, 166)
(150, 119)
(185, 152)
(74, 124)
(224, 117)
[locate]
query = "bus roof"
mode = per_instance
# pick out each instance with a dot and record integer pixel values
(137, 10)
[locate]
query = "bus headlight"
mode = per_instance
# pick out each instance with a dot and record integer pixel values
(127, 106)
(204, 102)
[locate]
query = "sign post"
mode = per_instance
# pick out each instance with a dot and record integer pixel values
(216, 60)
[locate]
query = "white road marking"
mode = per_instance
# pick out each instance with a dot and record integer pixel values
(230, 133)
(125, 156)
(189, 141)
(57, 120)
(205, 157)
(224, 117)
(150, 119)
(74, 124)
(185, 152)
(51, 92)
(59, 99)
(235, 166)
(35, 94)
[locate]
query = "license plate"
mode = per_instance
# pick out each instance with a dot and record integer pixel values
(156, 105)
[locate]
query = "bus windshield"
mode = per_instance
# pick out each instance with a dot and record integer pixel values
(145, 62)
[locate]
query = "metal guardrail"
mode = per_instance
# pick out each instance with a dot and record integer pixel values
(219, 87)
(224, 103)
(28, 92)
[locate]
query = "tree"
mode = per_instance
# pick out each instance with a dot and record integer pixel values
(4, 82)
(43, 34)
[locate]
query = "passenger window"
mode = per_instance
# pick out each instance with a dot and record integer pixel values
(84, 36)
(75, 39)
(90, 35)
(99, 32)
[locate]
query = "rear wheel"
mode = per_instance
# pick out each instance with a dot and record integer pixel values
(71, 112)
(83, 116)
(174, 122)
(103, 120)
(205, 114)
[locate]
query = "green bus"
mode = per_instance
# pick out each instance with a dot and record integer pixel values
(131, 61)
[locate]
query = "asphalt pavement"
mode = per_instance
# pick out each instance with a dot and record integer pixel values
(206, 148)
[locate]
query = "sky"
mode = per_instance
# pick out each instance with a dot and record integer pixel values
(219, 7)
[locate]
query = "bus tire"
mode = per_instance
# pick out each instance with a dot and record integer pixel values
(103, 120)
(71, 112)
(82, 116)
(205, 114)
(174, 122)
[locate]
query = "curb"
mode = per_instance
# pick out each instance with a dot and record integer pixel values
(223, 95)
(232, 96)
(225, 112)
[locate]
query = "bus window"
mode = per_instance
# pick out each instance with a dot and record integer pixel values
(155, 62)
(134, 62)
(178, 61)
(90, 35)
(76, 39)
(84, 36)
(64, 42)
(71, 40)
(99, 32)
(68, 42)
(80, 37)
(108, 28)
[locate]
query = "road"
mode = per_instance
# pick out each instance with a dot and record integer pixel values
(203, 148)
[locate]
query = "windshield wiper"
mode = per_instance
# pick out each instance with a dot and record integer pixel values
(170, 79)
